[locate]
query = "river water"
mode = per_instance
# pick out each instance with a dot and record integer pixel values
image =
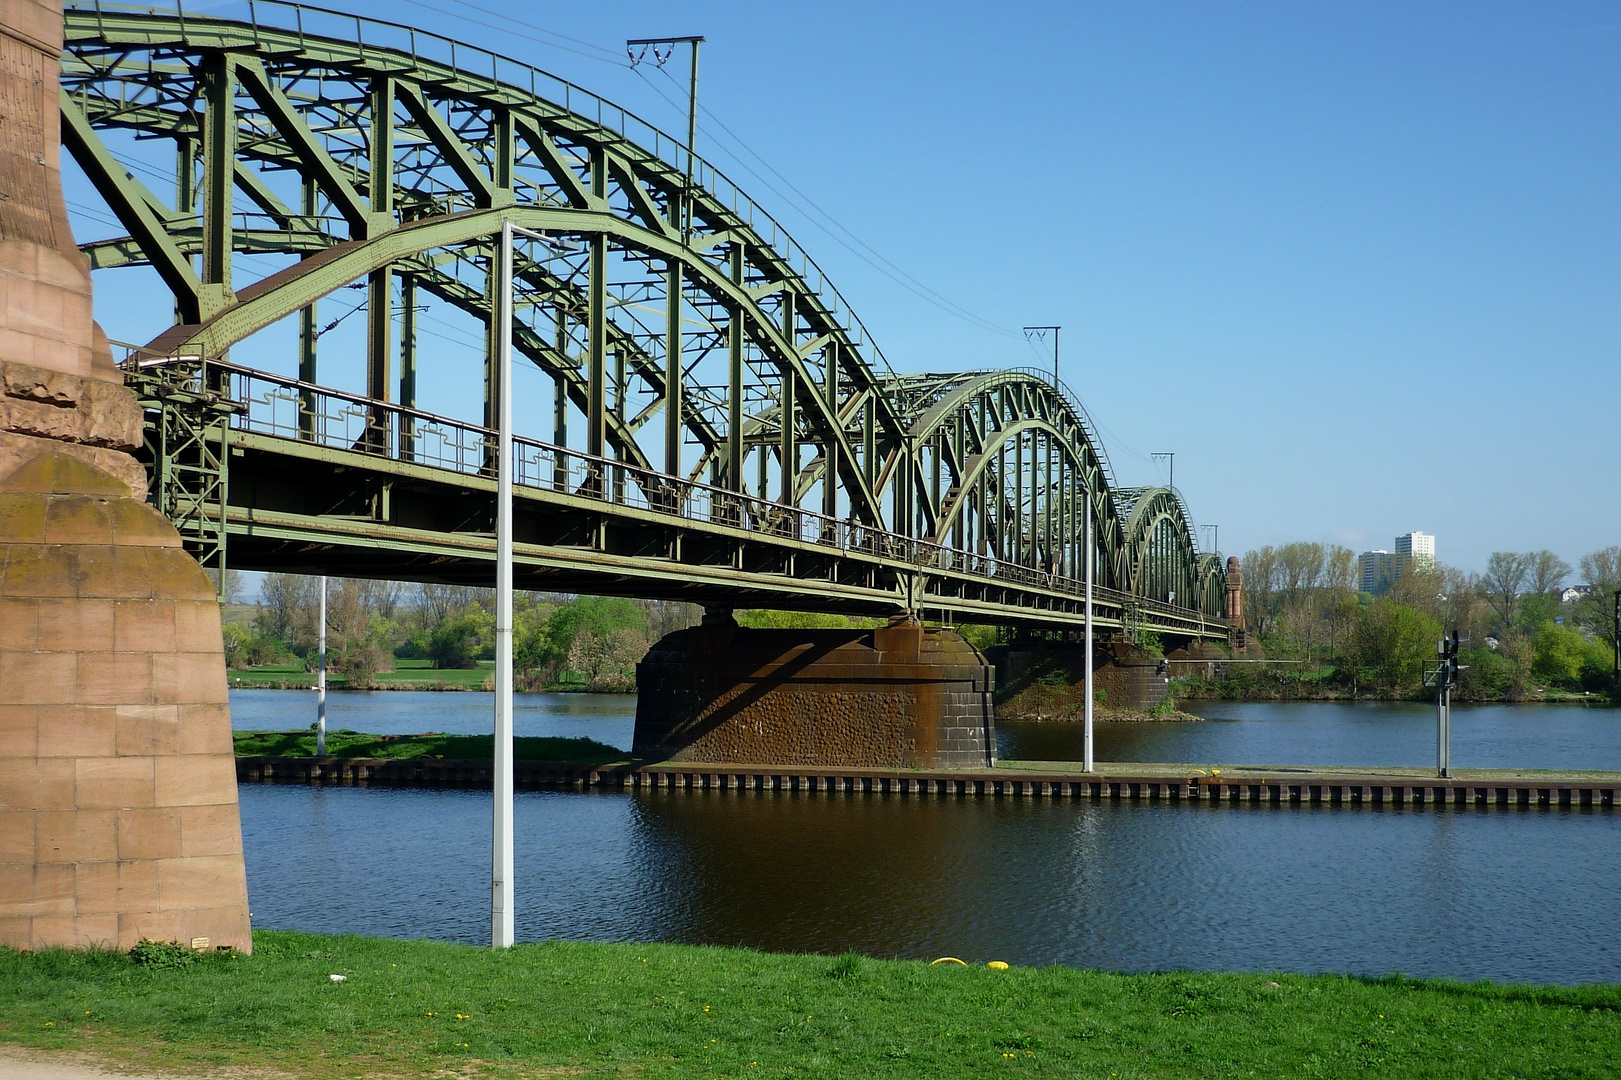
(1506, 895)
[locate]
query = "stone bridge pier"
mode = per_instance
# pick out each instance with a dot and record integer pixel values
(898, 696)
(118, 805)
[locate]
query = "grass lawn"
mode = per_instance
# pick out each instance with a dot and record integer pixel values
(354, 744)
(407, 674)
(419, 1009)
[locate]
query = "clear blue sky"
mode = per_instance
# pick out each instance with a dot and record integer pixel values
(1357, 265)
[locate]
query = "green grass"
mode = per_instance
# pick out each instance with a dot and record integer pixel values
(407, 675)
(354, 744)
(418, 1009)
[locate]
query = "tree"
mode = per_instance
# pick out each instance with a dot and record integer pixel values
(600, 616)
(1547, 571)
(1602, 569)
(1260, 568)
(1393, 640)
(457, 642)
(1506, 572)
(1560, 652)
(284, 606)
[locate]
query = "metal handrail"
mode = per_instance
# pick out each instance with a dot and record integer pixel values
(356, 423)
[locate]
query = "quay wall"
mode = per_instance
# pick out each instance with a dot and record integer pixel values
(1347, 790)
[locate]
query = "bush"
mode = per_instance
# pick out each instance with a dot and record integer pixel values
(1560, 652)
(359, 664)
(1393, 641)
(1598, 666)
(456, 644)
(161, 954)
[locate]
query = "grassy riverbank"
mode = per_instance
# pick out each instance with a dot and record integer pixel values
(355, 744)
(418, 1009)
(407, 675)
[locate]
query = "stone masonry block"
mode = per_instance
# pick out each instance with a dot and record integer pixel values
(72, 731)
(196, 626)
(36, 784)
(81, 519)
(113, 783)
(19, 731)
(210, 830)
(176, 576)
(118, 573)
(19, 623)
(112, 887)
(196, 780)
(86, 626)
(152, 834)
(144, 626)
(35, 678)
(188, 677)
(153, 925)
(137, 525)
(76, 932)
(16, 837)
(37, 570)
(205, 729)
(148, 730)
(200, 882)
(75, 836)
(117, 678)
(37, 890)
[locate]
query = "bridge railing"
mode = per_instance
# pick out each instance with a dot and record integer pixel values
(263, 403)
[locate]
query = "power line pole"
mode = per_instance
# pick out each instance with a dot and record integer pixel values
(637, 49)
(1172, 457)
(1039, 333)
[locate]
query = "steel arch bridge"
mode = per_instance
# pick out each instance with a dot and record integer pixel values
(724, 430)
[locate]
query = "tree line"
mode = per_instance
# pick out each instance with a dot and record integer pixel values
(559, 641)
(1302, 601)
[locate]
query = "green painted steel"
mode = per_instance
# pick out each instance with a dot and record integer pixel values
(793, 467)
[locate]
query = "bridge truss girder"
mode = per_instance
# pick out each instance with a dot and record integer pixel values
(659, 298)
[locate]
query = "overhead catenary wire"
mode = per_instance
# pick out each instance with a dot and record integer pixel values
(875, 260)
(860, 248)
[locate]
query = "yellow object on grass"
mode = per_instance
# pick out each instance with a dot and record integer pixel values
(947, 960)
(997, 965)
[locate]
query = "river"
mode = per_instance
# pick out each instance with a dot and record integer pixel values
(1505, 895)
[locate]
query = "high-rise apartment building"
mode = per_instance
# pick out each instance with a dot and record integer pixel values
(1376, 571)
(1417, 548)
(1379, 568)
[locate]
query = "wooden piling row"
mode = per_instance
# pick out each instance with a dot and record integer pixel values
(1346, 790)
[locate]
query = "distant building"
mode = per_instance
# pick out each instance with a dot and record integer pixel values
(1380, 568)
(1416, 549)
(1575, 592)
(1376, 567)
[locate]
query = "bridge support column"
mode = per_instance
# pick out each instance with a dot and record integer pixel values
(900, 696)
(118, 808)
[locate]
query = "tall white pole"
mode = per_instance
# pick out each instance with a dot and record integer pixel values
(1088, 763)
(501, 869)
(320, 674)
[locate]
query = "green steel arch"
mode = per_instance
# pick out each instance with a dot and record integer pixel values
(687, 334)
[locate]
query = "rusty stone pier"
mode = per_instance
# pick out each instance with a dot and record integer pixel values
(898, 696)
(118, 807)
